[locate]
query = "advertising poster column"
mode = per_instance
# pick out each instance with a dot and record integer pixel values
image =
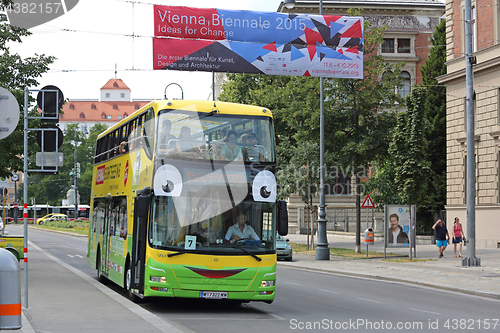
(397, 226)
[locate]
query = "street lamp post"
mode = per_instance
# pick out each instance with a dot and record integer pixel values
(322, 250)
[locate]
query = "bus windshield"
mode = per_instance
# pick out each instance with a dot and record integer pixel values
(214, 136)
(205, 223)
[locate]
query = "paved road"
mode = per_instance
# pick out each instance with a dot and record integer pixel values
(304, 299)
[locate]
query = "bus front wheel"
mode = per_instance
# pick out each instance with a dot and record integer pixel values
(128, 283)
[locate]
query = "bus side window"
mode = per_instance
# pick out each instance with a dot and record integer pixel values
(97, 157)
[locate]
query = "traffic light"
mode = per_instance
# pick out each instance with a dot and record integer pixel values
(50, 100)
(49, 136)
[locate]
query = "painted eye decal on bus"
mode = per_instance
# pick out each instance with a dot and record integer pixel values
(168, 181)
(264, 187)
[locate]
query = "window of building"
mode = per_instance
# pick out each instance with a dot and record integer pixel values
(388, 45)
(115, 106)
(122, 95)
(406, 88)
(125, 115)
(71, 106)
(118, 117)
(115, 85)
(403, 45)
(137, 107)
(399, 45)
(110, 117)
(103, 115)
(107, 95)
(93, 107)
(82, 115)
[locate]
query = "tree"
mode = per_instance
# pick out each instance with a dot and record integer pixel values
(433, 202)
(16, 74)
(360, 114)
(407, 147)
(301, 175)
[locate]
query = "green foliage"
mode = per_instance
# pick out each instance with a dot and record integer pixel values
(301, 175)
(432, 103)
(407, 149)
(435, 131)
(78, 224)
(357, 117)
(16, 74)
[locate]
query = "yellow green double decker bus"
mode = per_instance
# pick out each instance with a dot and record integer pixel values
(184, 202)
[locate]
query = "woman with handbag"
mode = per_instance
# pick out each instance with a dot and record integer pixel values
(458, 233)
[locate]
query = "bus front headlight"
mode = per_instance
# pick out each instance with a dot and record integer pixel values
(267, 284)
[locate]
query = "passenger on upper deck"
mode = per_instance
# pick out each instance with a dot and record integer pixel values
(165, 135)
(251, 152)
(231, 150)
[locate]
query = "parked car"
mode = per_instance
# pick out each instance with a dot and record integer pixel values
(283, 249)
(52, 217)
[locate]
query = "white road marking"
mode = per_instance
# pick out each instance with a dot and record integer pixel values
(436, 313)
(295, 284)
(370, 300)
(328, 291)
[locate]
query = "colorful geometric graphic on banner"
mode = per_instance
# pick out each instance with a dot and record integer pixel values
(215, 40)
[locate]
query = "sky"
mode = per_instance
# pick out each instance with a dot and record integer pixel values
(95, 36)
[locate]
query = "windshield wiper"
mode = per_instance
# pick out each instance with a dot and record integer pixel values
(211, 113)
(175, 254)
(247, 252)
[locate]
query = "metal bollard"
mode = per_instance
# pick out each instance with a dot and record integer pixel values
(10, 292)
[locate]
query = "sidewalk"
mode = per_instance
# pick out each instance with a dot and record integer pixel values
(62, 299)
(444, 273)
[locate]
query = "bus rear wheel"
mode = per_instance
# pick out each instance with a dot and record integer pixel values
(100, 277)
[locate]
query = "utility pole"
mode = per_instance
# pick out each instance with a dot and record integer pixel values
(471, 259)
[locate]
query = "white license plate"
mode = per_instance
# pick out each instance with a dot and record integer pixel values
(280, 252)
(213, 294)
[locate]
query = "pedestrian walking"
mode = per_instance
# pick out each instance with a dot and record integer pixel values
(458, 233)
(442, 236)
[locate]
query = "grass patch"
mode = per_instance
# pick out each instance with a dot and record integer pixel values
(343, 253)
(78, 226)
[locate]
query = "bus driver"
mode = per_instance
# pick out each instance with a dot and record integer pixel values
(240, 230)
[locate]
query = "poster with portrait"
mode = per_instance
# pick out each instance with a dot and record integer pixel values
(397, 225)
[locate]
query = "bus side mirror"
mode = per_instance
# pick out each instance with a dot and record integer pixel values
(282, 218)
(143, 202)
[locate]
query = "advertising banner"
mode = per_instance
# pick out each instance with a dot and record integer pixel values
(397, 225)
(256, 42)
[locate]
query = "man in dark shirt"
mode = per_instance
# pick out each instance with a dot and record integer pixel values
(442, 236)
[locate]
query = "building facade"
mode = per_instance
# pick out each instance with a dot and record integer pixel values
(410, 24)
(115, 103)
(486, 50)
